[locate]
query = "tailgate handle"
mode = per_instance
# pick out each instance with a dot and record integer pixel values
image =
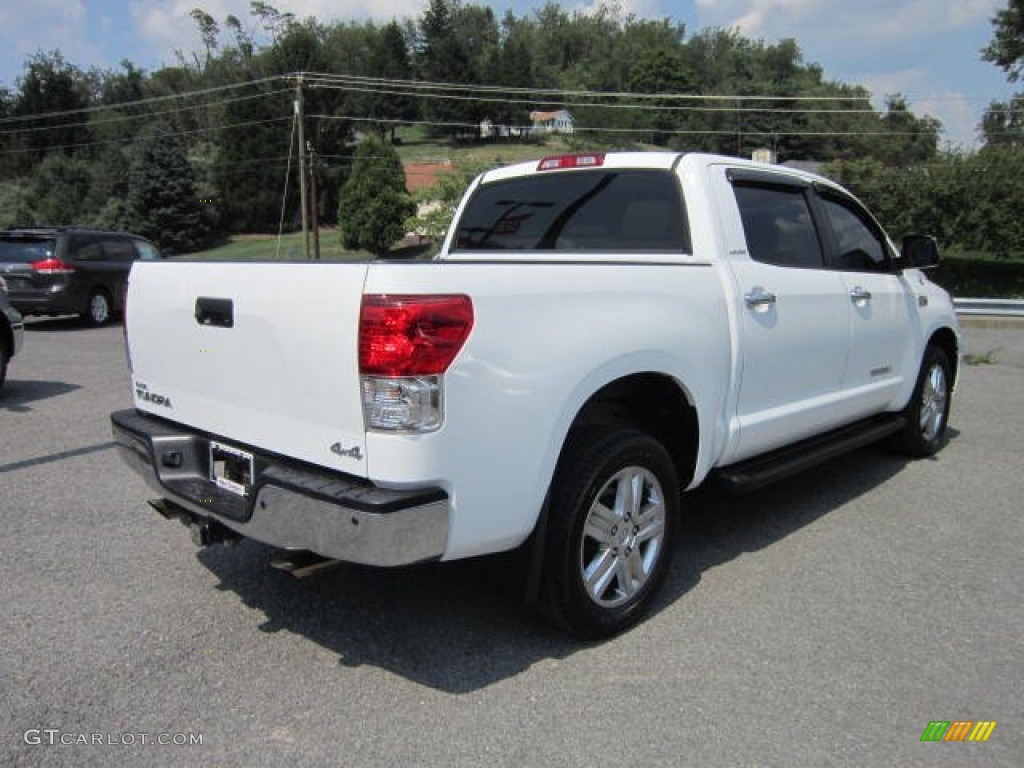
(216, 312)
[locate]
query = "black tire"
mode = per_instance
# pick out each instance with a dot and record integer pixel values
(100, 309)
(604, 560)
(3, 364)
(927, 413)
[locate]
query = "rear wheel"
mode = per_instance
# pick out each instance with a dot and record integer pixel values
(928, 411)
(613, 520)
(99, 309)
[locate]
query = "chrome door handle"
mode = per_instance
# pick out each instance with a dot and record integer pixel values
(759, 299)
(859, 296)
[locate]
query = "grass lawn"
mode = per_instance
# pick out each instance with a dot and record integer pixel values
(266, 248)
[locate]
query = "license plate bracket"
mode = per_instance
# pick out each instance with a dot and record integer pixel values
(231, 468)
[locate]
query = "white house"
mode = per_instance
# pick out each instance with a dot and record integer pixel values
(552, 122)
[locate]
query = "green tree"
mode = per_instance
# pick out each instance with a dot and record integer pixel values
(14, 206)
(162, 195)
(1006, 50)
(441, 199)
(209, 31)
(912, 140)
(389, 58)
(58, 190)
(1003, 123)
(374, 202)
(443, 56)
(50, 92)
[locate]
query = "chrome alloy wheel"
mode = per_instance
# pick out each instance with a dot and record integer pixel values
(934, 395)
(623, 536)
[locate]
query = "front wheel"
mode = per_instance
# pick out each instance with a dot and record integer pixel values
(927, 413)
(613, 517)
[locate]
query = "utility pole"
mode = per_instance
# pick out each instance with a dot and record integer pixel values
(314, 188)
(739, 129)
(303, 178)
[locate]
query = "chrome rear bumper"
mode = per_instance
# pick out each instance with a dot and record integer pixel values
(290, 505)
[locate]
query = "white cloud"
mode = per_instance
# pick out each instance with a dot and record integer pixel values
(959, 116)
(168, 27)
(957, 112)
(865, 22)
(642, 9)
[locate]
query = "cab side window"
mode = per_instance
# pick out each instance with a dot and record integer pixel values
(859, 245)
(778, 225)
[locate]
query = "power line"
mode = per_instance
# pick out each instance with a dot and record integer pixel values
(167, 134)
(728, 104)
(636, 130)
(137, 102)
(599, 105)
(140, 116)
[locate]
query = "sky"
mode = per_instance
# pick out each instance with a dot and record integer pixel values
(927, 50)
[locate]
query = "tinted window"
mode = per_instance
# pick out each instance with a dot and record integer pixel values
(118, 249)
(84, 248)
(612, 211)
(859, 246)
(24, 250)
(778, 226)
(147, 251)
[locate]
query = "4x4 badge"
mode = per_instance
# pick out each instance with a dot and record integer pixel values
(349, 453)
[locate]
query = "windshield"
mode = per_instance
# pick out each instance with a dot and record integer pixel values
(611, 211)
(24, 250)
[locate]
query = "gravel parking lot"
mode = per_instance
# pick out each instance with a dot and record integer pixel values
(824, 622)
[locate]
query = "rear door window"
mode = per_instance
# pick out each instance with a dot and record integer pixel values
(119, 249)
(85, 248)
(778, 225)
(608, 211)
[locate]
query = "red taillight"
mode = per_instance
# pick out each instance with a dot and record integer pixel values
(412, 335)
(51, 267)
(562, 162)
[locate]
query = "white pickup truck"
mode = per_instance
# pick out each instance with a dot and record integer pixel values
(599, 333)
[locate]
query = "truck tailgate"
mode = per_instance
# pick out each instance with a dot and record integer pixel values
(258, 354)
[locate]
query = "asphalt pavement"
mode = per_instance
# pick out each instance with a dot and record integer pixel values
(826, 621)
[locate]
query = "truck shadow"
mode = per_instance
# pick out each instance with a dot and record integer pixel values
(460, 627)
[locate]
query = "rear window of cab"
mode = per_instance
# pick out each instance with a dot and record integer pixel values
(600, 210)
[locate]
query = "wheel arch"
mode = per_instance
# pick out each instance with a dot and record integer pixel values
(947, 340)
(654, 403)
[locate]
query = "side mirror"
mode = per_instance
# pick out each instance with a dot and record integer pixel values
(920, 252)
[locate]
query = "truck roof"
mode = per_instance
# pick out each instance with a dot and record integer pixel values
(637, 159)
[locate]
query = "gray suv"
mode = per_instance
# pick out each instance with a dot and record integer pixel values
(62, 270)
(12, 330)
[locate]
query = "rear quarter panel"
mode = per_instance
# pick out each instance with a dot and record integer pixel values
(546, 336)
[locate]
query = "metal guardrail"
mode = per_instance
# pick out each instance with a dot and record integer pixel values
(991, 307)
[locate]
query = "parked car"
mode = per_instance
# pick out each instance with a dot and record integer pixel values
(11, 331)
(70, 270)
